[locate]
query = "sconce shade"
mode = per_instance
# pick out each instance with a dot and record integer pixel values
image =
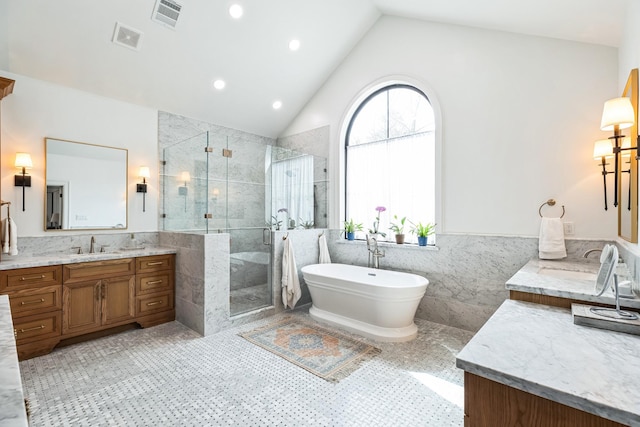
(602, 148)
(185, 177)
(23, 160)
(617, 111)
(144, 172)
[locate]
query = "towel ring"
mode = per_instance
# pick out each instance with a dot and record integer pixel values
(549, 202)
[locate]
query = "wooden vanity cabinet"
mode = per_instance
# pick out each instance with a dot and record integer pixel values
(97, 294)
(490, 404)
(76, 301)
(35, 297)
(155, 277)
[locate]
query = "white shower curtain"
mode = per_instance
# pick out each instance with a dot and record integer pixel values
(292, 188)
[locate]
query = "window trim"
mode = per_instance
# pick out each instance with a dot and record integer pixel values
(352, 119)
(338, 211)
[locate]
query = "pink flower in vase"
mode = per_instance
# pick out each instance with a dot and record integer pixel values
(376, 223)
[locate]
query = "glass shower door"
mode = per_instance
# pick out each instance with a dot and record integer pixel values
(246, 204)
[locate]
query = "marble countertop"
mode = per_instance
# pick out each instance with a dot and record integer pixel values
(18, 261)
(12, 409)
(538, 349)
(529, 279)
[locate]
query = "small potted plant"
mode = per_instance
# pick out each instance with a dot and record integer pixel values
(350, 229)
(423, 231)
(398, 228)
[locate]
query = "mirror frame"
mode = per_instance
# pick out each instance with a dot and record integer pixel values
(630, 90)
(126, 172)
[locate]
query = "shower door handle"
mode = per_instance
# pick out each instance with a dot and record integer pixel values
(266, 236)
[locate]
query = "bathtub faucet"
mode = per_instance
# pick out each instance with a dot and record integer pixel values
(374, 252)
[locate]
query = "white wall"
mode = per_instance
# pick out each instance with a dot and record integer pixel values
(629, 52)
(38, 109)
(519, 118)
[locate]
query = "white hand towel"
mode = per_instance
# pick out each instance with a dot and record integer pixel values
(551, 243)
(291, 291)
(324, 257)
(13, 237)
(5, 236)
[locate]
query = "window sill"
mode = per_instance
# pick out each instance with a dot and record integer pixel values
(404, 246)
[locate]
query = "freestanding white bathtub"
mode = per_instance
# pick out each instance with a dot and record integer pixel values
(378, 304)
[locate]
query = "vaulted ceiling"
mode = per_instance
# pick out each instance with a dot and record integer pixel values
(69, 42)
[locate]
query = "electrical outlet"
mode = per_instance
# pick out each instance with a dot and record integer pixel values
(568, 228)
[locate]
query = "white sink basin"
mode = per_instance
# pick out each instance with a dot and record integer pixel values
(568, 274)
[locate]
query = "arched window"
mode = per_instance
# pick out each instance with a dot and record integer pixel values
(390, 159)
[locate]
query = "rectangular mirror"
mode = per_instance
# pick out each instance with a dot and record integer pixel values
(86, 186)
(628, 175)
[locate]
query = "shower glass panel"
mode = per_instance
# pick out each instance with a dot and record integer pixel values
(223, 183)
(185, 185)
(248, 195)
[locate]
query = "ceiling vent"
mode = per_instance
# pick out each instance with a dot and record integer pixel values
(127, 36)
(166, 12)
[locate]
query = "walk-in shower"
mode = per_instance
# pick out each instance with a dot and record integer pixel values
(222, 184)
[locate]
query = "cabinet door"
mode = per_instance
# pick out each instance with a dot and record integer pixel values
(81, 307)
(118, 299)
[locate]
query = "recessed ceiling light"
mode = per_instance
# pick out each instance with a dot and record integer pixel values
(294, 45)
(277, 105)
(219, 84)
(236, 11)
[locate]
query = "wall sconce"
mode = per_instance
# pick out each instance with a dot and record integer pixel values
(617, 114)
(142, 188)
(183, 190)
(184, 177)
(603, 150)
(214, 194)
(23, 161)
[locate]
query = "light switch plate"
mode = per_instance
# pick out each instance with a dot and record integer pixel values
(568, 228)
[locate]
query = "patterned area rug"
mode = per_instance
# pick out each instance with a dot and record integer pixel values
(325, 353)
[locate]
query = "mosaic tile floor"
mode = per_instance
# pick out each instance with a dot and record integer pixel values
(170, 376)
(248, 299)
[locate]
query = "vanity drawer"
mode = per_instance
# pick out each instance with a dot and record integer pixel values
(98, 269)
(147, 283)
(27, 278)
(154, 263)
(152, 303)
(33, 301)
(37, 327)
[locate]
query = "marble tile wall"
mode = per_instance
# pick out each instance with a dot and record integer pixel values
(236, 191)
(55, 243)
(305, 248)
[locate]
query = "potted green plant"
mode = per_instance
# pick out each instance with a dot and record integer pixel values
(423, 231)
(398, 228)
(350, 229)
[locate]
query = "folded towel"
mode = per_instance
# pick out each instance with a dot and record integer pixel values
(13, 237)
(291, 291)
(324, 258)
(551, 243)
(5, 236)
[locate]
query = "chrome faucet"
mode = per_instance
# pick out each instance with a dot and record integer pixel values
(374, 252)
(587, 252)
(92, 248)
